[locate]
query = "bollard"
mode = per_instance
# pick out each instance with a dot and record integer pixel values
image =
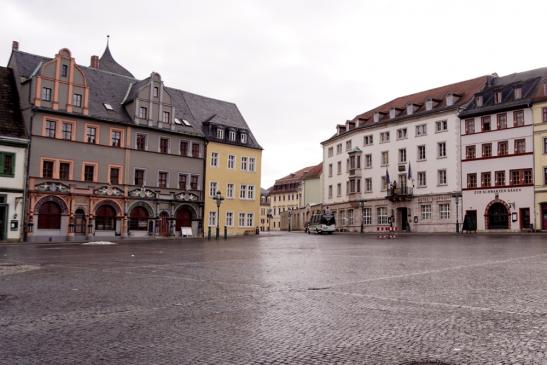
(225, 232)
(209, 233)
(257, 231)
(217, 233)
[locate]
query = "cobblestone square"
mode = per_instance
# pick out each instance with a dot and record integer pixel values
(283, 298)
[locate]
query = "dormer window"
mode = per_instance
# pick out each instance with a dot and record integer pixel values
(429, 104)
(376, 117)
(156, 92)
(46, 94)
(393, 112)
(478, 100)
(410, 108)
(143, 112)
(220, 133)
(64, 70)
(450, 99)
(77, 100)
(243, 138)
(166, 117)
(518, 93)
(497, 97)
(232, 135)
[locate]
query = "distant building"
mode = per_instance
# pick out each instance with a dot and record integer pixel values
(13, 157)
(291, 194)
(265, 210)
(497, 139)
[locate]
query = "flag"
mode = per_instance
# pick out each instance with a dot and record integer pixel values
(387, 177)
(409, 172)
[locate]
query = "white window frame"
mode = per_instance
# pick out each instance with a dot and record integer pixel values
(426, 211)
(441, 126)
(212, 219)
(231, 162)
(382, 215)
(444, 211)
(213, 188)
(252, 164)
(220, 133)
(229, 219)
(243, 191)
(214, 159)
(422, 184)
(443, 149)
(229, 191)
(439, 177)
(244, 163)
(250, 192)
(241, 219)
(367, 216)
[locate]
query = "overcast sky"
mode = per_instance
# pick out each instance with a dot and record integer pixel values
(294, 68)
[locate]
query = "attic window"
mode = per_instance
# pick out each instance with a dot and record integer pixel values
(156, 92)
(497, 97)
(518, 93)
(243, 138)
(183, 121)
(108, 106)
(232, 135)
(478, 100)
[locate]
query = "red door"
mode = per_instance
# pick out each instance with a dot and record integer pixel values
(184, 218)
(164, 224)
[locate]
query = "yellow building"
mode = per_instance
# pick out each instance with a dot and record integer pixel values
(539, 111)
(232, 168)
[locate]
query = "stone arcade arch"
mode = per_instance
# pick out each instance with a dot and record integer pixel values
(497, 215)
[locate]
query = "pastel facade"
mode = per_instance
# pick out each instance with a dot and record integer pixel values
(497, 139)
(13, 157)
(539, 116)
(401, 160)
(265, 210)
(234, 170)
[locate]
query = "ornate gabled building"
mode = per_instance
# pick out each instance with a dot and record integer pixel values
(497, 138)
(111, 156)
(399, 164)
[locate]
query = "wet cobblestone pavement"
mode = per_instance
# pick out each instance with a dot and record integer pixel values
(277, 299)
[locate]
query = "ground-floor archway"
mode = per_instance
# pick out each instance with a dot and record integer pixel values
(497, 216)
(183, 217)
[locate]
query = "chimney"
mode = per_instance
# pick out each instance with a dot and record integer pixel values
(15, 45)
(94, 62)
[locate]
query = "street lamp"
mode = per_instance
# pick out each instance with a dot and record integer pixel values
(290, 214)
(457, 197)
(362, 206)
(219, 198)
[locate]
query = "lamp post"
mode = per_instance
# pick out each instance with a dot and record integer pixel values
(219, 198)
(290, 214)
(457, 197)
(362, 206)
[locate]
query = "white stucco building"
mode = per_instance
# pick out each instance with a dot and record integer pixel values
(498, 154)
(13, 157)
(399, 164)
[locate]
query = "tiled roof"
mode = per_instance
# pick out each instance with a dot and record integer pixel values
(463, 91)
(305, 173)
(11, 121)
(531, 85)
(113, 87)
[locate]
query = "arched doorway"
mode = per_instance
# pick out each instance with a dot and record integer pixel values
(138, 219)
(544, 216)
(105, 218)
(183, 218)
(164, 224)
(498, 216)
(49, 216)
(79, 222)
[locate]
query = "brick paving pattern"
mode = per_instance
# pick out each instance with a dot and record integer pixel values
(277, 299)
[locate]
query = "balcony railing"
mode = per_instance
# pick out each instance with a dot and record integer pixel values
(399, 193)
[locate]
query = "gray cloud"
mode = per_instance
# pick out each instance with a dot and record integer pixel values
(295, 68)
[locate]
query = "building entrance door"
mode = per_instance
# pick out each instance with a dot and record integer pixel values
(524, 218)
(79, 222)
(403, 219)
(470, 221)
(544, 216)
(3, 222)
(164, 224)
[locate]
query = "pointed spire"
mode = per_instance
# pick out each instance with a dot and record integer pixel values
(108, 63)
